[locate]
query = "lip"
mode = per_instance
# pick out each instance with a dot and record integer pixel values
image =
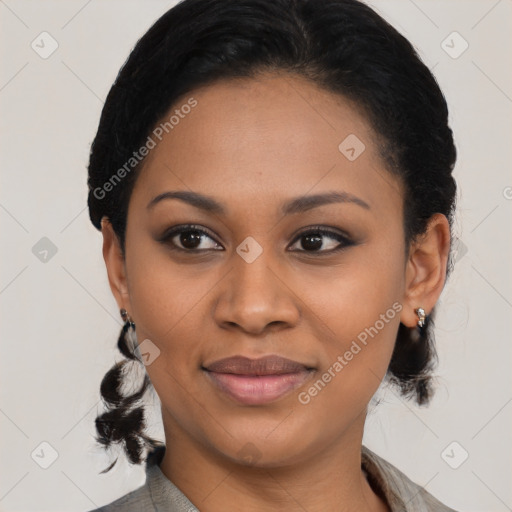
(257, 381)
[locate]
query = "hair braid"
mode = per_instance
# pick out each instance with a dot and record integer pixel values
(123, 422)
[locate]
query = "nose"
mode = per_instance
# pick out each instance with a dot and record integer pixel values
(255, 297)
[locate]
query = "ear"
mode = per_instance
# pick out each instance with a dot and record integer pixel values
(115, 263)
(425, 273)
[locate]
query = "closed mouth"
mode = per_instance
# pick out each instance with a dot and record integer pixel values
(257, 381)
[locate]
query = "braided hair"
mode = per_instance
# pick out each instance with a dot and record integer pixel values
(123, 422)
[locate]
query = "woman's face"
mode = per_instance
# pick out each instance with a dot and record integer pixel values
(257, 279)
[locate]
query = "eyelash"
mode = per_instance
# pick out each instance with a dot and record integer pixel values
(344, 240)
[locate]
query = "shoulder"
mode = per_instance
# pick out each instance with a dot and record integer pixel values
(401, 492)
(140, 498)
(134, 501)
(157, 493)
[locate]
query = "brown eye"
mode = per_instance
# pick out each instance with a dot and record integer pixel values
(322, 241)
(189, 239)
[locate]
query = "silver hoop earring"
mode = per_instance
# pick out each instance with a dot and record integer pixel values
(421, 316)
(127, 319)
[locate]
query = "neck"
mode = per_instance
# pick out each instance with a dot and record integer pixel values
(328, 481)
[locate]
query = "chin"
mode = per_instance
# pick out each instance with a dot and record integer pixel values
(261, 452)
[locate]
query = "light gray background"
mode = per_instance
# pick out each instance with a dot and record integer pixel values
(60, 323)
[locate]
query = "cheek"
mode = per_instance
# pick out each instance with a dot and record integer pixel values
(155, 293)
(168, 302)
(358, 314)
(350, 297)
(357, 331)
(363, 318)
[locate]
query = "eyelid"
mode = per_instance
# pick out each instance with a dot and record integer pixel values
(320, 228)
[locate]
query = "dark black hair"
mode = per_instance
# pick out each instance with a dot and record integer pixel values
(342, 46)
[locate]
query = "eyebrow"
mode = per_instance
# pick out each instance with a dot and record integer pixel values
(292, 206)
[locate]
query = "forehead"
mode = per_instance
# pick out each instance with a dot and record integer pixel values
(268, 135)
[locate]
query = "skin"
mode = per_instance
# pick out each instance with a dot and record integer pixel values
(253, 144)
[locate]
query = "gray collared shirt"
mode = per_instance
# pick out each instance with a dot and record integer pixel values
(159, 494)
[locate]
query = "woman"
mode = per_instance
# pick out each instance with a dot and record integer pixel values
(273, 183)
